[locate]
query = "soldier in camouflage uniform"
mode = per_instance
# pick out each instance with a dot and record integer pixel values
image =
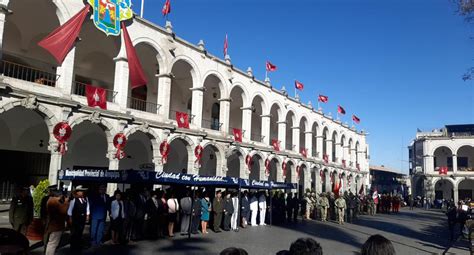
(324, 203)
(340, 204)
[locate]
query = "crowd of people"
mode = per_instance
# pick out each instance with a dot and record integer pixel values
(140, 213)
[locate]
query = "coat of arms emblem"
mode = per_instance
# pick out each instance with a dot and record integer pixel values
(109, 13)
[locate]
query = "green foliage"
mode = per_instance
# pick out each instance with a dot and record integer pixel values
(40, 191)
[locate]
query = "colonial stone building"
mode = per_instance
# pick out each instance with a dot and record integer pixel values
(450, 148)
(36, 94)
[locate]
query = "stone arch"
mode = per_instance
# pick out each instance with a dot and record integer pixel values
(214, 90)
(48, 116)
(443, 157)
(238, 96)
(181, 155)
(275, 168)
(223, 85)
(443, 188)
(276, 115)
(236, 162)
(161, 54)
(151, 134)
(195, 73)
(465, 188)
(257, 171)
(334, 150)
(290, 118)
(465, 157)
(303, 125)
(314, 139)
(258, 106)
(95, 118)
(212, 157)
(185, 76)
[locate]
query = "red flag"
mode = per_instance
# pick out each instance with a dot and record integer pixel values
(337, 187)
(166, 8)
(276, 144)
(299, 85)
(326, 159)
(304, 152)
(96, 97)
(270, 67)
(137, 76)
(361, 190)
(183, 119)
(355, 119)
(323, 99)
(237, 134)
(443, 170)
(226, 45)
(61, 40)
(341, 110)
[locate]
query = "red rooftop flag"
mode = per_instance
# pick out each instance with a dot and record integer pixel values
(137, 76)
(299, 85)
(341, 110)
(355, 119)
(270, 67)
(166, 8)
(61, 40)
(237, 134)
(226, 45)
(183, 119)
(96, 97)
(323, 98)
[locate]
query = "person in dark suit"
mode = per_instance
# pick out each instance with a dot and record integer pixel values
(152, 212)
(78, 213)
(196, 214)
(21, 210)
(245, 210)
(186, 209)
(99, 206)
(228, 211)
(218, 209)
(289, 207)
(140, 201)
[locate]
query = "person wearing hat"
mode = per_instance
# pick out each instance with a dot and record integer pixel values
(21, 210)
(78, 213)
(56, 210)
(324, 204)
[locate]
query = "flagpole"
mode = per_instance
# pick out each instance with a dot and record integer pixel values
(142, 8)
(266, 74)
(318, 104)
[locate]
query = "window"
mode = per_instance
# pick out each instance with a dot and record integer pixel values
(462, 162)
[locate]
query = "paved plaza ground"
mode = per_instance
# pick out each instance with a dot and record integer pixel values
(412, 232)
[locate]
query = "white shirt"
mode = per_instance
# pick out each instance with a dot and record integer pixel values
(115, 208)
(173, 205)
(262, 202)
(71, 206)
(253, 204)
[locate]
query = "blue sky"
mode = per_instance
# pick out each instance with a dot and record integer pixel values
(397, 64)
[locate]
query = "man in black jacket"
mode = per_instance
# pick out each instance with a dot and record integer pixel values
(228, 211)
(186, 208)
(196, 214)
(78, 213)
(452, 219)
(139, 219)
(245, 210)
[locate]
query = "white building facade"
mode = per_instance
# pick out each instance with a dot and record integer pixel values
(36, 94)
(451, 148)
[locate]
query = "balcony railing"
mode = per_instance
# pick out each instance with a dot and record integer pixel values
(27, 73)
(142, 105)
(466, 169)
(79, 88)
(257, 137)
(212, 124)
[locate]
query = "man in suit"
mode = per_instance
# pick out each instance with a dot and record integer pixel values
(186, 208)
(99, 205)
(78, 213)
(245, 209)
(21, 210)
(139, 218)
(196, 214)
(218, 209)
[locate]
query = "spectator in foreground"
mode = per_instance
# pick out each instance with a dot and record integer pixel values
(305, 246)
(233, 251)
(377, 245)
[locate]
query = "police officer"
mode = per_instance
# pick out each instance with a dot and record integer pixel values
(340, 204)
(21, 210)
(324, 204)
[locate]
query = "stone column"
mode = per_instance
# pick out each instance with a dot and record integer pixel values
(113, 165)
(54, 164)
(282, 134)
(319, 147)
(455, 163)
(338, 152)
(196, 108)
(121, 81)
(164, 95)
(296, 139)
(247, 121)
(428, 164)
(328, 182)
(456, 194)
(224, 115)
(266, 128)
(66, 73)
(308, 136)
(3, 13)
(329, 149)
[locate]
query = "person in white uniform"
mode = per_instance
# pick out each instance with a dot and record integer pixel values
(253, 210)
(262, 206)
(235, 215)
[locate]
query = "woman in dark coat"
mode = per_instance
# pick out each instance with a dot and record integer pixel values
(228, 211)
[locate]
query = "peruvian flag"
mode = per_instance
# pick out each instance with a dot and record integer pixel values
(337, 187)
(62, 39)
(304, 152)
(183, 119)
(237, 134)
(443, 170)
(166, 8)
(276, 144)
(341, 110)
(323, 98)
(96, 97)
(355, 119)
(226, 45)
(299, 85)
(375, 196)
(270, 67)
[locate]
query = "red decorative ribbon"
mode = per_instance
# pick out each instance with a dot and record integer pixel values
(283, 168)
(198, 153)
(164, 150)
(248, 162)
(321, 174)
(62, 132)
(120, 140)
(298, 168)
(267, 167)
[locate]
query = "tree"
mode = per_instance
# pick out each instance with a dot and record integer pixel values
(466, 9)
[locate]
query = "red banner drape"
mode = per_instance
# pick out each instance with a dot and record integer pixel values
(62, 39)
(137, 76)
